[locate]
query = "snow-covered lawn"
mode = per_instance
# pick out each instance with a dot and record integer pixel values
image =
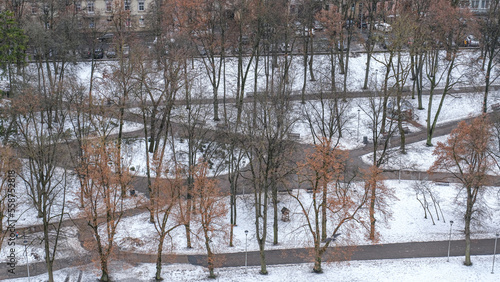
(26, 214)
(466, 65)
(69, 246)
(418, 157)
(408, 270)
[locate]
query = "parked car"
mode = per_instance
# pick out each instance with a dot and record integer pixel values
(202, 51)
(111, 52)
(285, 48)
(86, 53)
(363, 25)
(98, 53)
(318, 26)
(107, 38)
(471, 41)
(305, 32)
(381, 26)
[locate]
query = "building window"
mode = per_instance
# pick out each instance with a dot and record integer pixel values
(127, 5)
(474, 4)
(91, 23)
(90, 7)
(485, 4)
(34, 8)
(109, 6)
(141, 5)
(141, 21)
(127, 22)
(78, 6)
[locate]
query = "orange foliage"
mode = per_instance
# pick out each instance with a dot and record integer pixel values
(378, 195)
(102, 187)
(211, 209)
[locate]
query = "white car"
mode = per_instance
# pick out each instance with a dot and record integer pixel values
(471, 41)
(385, 27)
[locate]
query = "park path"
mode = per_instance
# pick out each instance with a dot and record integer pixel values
(285, 256)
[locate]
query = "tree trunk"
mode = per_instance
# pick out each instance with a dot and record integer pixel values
(372, 211)
(275, 214)
(317, 260)
(323, 215)
(104, 269)
(487, 84)
(158, 259)
(468, 217)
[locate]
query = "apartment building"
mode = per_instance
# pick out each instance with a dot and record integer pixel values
(99, 14)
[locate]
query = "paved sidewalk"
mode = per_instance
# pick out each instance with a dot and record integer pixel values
(285, 256)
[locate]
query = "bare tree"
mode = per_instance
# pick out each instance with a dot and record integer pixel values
(38, 137)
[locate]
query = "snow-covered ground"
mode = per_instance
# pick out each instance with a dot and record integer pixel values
(26, 214)
(406, 225)
(467, 70)
(407, 222)
(408, 270)
(33, 251)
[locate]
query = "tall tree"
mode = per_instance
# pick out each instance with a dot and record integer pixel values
(466, 155)
(9, 166)
(333, 197)
(450, 25)
(102, 191)
(13, 43)
(490, 28)
(210, 209)
(38, 137)
(167, 193)
(270, 153)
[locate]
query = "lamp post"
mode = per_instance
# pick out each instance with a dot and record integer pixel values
(449, 241)
(246, 251)
(494, 253)
(357, 132)
(244, 185)
(26, 254)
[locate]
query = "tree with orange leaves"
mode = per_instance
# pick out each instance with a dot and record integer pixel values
(466, 155)
(332, 197)
(9, 165)
(167, 194)
(379, 194)
(211, 210)
(102, 190)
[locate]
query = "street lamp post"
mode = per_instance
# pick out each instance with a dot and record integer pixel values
(357, 132)
(26, 254)
(494, 253)
(246, 251)
(449, 241)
